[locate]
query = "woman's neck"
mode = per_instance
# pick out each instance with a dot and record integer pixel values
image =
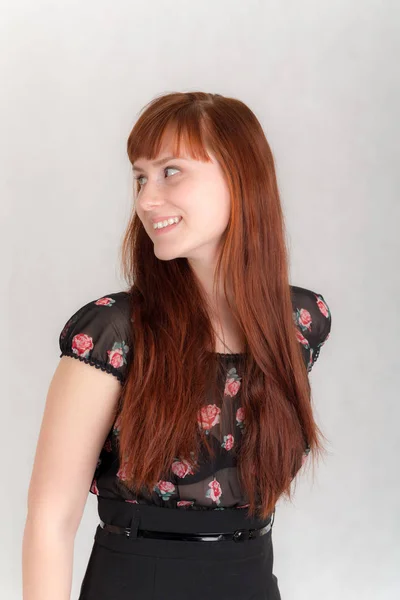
(228, 330)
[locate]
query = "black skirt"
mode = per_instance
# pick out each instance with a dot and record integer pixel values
(137, 568)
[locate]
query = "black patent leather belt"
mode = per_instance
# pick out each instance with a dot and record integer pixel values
(236, 536)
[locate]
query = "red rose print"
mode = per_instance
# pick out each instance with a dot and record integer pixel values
(115, 357)
(117, 354)
(105, 301)
(322, 306)
(301, 338)
(185, 503)
(232, 384)
(305, 319)
(240, 414)
(215, 491)
(165, 486)
(165, 489)
(231, 387)
(209, 416)
(228, 442)
(82, 344)
(122, 474)
(182, 468)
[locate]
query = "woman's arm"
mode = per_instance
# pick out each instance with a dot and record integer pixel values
(79, 412)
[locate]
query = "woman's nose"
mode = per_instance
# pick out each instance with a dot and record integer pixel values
(150, 194)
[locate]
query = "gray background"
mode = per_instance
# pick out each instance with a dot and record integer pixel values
(322, 77)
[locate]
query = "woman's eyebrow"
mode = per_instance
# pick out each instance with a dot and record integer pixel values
(159, 162)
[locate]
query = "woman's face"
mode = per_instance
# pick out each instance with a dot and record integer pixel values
(193, 190)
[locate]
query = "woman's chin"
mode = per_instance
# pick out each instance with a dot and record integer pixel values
(165, 253)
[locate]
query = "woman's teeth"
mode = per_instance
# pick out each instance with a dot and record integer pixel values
(167, 222)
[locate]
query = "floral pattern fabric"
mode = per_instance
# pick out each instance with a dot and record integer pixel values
(98, 334)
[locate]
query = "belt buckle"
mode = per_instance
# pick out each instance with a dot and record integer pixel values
(238, 535)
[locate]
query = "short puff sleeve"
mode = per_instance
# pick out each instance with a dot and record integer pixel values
(98, 334)
(313, 319)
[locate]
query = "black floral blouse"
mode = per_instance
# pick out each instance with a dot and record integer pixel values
(98, 333)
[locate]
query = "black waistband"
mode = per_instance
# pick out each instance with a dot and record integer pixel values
(179, 520)
(237, 536)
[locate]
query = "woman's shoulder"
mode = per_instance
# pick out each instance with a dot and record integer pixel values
(99, 333)
(313, 318)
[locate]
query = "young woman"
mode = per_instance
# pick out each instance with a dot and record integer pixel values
(197, 416)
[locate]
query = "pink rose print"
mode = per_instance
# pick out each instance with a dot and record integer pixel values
(209, 416)
(304, 319)
(165, 489)
(117, 355)
(82, 344)
(301, 338)
(232, 384)
(322, 306)
(132, 501)
(105, 301)
(122, 474)
(182, 468)
(93, 488)
(228, 442)
(185, 503)
(215, 491)
(231, 387)
(240, 415)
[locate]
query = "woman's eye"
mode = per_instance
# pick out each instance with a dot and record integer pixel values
(166, 169)
(173, 168)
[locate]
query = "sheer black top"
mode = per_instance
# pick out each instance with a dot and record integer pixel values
(98, 333)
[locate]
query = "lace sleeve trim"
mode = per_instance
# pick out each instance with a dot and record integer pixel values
(314, 358)
(315, 355)
(95, 363)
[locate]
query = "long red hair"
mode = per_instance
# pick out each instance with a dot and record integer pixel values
(172, 367)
